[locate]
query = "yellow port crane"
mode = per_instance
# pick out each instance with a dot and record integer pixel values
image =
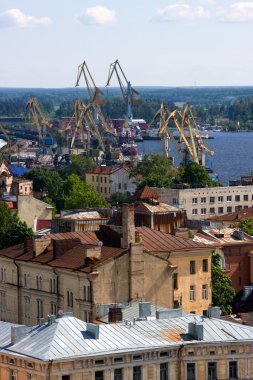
(83, 120)
(33, 110)
(128, 92)
(95, 95)
(7, 147)
(199, 149)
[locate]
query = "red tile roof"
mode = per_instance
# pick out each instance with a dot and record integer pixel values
(156, 241)
(146, 193)
(236, 216)
(104, 169)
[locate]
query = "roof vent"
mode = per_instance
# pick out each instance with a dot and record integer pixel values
(93, 330)
(51, 319)
(18, 333)
(196, 330)
(144, 309)
(214, 312)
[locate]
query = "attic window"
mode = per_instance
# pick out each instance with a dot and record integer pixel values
(137, 357)
(12, 361)
(233, 351)
(164, 354)
(30, 365)
(118, 360)
(99, 362)
(191, 353)
(212, 352)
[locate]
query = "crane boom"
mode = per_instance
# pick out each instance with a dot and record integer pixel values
(33, 110)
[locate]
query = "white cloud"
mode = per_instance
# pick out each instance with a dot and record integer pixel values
(181, 12)
(237, 12)
(15, 18)
(97, 16)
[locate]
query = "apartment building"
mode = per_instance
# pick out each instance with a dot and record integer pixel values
(207, 203)
(78, 271)
(182, 348)
(111, 179)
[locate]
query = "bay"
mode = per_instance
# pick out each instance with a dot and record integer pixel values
(232, 158)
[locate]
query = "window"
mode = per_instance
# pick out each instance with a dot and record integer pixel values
(39, 309)
(105, 180)
(53, 285)
(212, 210)
(229, 209)
(99, 375)
(175, 280)
(125, 186)
(2, 301)
(229, 198)
(194, 211)
(203, 200)
(29, 376)
(203, 211)
(101, 179)
(13, 374)
(192, 267)
(3, 274)
(27, 307)
(204, 292)
(65, 377)
(220, 210)
(212, 371)
(205, 265)
(246, 197)
(238, 208)
(237, 198)
(69, 298)
(191, 371)
(86, 293)
(93, 178)
(194, 201)
(97, 178)
(118, 374)
(53, 308)
(220, 199)
(137, 373)
(192, 293)
(119, 186)
(164, 371)
(26, 280)
(101, 189)
(212, 199)
(38, 282)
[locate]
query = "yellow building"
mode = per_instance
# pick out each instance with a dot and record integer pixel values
(185, 348)
(79, 271)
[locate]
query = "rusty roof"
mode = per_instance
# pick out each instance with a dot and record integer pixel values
(159, 208)
(157, 241)
(104, 169)
(236, 216)
(87, 237)
(225, 236)
(146, 193)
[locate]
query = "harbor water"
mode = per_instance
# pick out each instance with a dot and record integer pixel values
(232, 158)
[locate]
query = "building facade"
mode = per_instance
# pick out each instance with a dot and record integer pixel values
(186, 348)
(111, 179)
(206, 203)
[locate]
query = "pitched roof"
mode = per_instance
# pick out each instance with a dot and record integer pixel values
(161, 207)
(104, 169)
(146, 193)
(156, 241)
(68, 337)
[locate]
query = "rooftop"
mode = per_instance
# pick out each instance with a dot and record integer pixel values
(69, 337)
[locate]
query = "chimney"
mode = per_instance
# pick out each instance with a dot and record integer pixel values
(144, 309)
(128, 225)
(94, 252)
(28, 244)
(93, 330)
(62, 246)
(18, 333)
(115, 314)
(51, 319)
(40, 245)
(196, 330)
(214, 312)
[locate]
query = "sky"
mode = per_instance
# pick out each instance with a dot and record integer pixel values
(157, 42)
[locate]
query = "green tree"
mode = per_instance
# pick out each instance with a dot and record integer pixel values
(154, 170)
(79, 165)
(247, 226)
(117, 199)
(222, 292)
(196, 175)
(12, 230)
(79, 194)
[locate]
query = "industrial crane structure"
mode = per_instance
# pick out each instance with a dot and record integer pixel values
(6, 148)
(190, 145)
(95, 96)
(128, 92)
(33, 110)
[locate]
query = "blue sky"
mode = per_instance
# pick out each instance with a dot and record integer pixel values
(158, 42)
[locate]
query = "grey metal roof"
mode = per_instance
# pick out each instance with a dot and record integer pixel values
(68, 337)
(5, 333)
